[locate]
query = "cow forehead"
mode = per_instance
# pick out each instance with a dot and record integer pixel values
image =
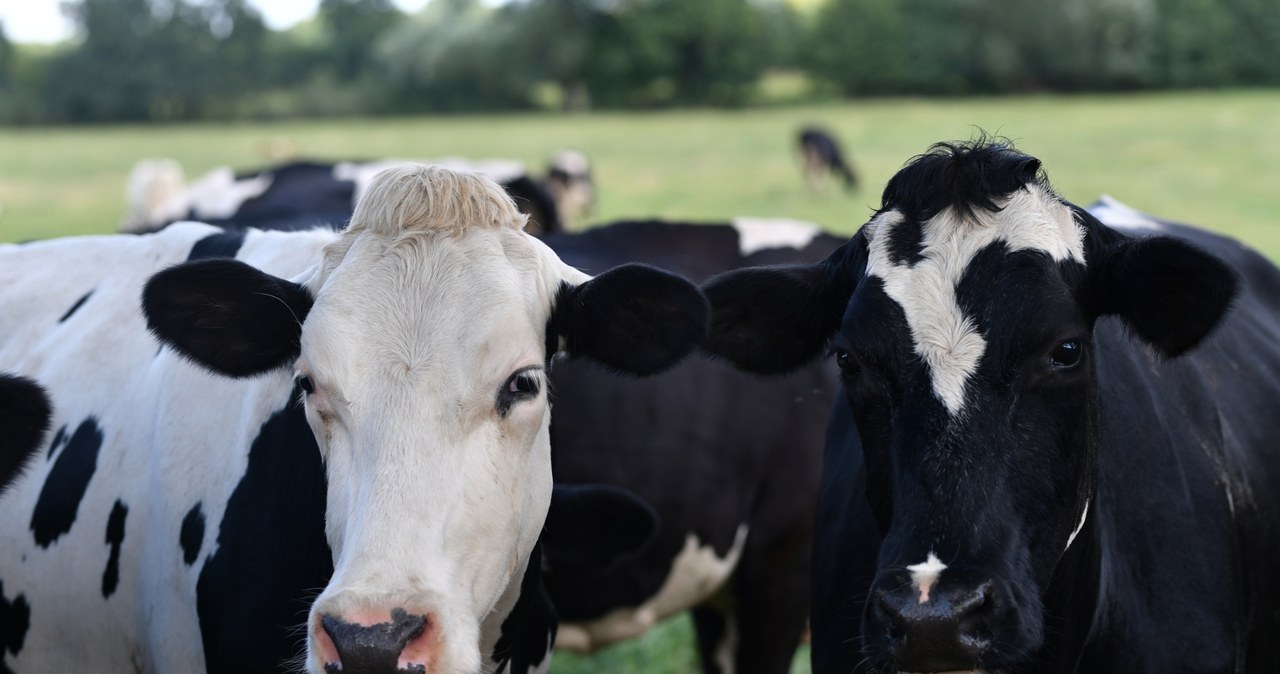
(921, 266)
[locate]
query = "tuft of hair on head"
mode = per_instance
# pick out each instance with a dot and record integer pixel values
(961, 175)
(421, 198)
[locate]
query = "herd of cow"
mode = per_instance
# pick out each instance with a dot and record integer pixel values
(314, 431)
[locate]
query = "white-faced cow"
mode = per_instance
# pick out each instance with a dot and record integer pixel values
(24, 418)
(1058, 450)
(730, 461)
(372, 475)
(300, 195)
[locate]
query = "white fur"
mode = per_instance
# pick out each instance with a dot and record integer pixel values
(946, 339)
(925, 575)
(500, 170)
(425, 305)
(1084, 515)
(756, 234)
(696, 574)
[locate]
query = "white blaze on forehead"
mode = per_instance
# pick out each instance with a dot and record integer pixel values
(925, 575)
(756, 234)
(947, 340)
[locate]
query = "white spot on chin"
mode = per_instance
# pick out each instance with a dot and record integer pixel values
(1084, 515)
(925, 575)
(946, 339)
(757, 234)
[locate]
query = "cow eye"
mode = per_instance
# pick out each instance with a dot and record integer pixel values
(845, 362)
(307, 386)
(521, 385)
(1067, 354)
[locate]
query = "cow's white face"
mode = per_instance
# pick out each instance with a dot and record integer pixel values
(425, 359)
(420, 342)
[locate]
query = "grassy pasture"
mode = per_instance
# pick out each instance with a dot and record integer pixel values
(1210, 158)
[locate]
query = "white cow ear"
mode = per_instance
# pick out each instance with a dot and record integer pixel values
(227, 316)
(633, 318)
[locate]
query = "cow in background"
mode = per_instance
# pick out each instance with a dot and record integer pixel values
(571, 186)
(300, 194)
(1059, 441)
(822, 156)
(730, 461)
(363, 413)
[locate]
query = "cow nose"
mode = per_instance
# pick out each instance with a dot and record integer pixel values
(943, 631)
(399, 645)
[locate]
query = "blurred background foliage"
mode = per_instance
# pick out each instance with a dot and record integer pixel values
(175, 60)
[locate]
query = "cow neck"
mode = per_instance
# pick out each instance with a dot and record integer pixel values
(1071, 601)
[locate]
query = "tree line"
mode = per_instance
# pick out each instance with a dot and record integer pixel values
(138, 60)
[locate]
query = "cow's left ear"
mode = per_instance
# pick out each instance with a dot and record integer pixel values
(227, 316)
(634, 318)
(1169, 292)
(596, 525)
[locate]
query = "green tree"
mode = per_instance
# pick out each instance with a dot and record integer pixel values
(353, 27)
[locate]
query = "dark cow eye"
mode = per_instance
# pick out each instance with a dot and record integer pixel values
(1067, 354)
(307, 386)
(521, 385)
(844, 361)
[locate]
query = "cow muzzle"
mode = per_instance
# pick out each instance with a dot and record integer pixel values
(946, 630)
(371, 643)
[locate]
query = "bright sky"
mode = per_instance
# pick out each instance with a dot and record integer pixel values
(42, 20)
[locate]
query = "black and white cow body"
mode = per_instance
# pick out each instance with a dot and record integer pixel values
(1058, 447)
(347, 514)
(729, 460)
(301, 195)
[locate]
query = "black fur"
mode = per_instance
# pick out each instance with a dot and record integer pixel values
(821, 149)
(15, 620)
(962, 176)
(66, 484)
(115, 537)
(74, 307)
(191, 535)
(771, 320)
(222, 244)
(596, 525)
(633, 318)
(227, 316)
(24, 418)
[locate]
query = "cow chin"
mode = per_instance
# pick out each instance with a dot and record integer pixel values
(359, 633)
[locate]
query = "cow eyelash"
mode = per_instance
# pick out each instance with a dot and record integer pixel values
(522, 385)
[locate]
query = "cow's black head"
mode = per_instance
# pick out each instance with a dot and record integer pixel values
(961, 317)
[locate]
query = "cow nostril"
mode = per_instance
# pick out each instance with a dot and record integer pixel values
(974, 602)
(373, 649)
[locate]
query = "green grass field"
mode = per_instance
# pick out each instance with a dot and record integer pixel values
(1210, 158)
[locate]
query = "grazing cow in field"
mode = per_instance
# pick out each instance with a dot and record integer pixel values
(24, 417)
(822, 157)
(730, 461)
(366, 476)
(299, 195)
(1061, 440)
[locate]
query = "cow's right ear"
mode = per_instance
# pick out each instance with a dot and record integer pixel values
(227, 316)
(596, 525)
(771, 320)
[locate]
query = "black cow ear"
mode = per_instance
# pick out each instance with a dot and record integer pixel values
(24, 417)
(1170, 293)
(633, 318)
(596, 525)
(227, 316)
(771, 320)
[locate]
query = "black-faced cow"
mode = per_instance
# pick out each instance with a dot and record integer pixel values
(299, 195)
(730, 461)
(24, 418)
(1058, 448)
(376, 469)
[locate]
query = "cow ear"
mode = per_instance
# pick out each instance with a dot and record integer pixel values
(596, 525)
(1169, 292)
(24, 417)
(771, 320)
(633, 318)
(227, 316)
